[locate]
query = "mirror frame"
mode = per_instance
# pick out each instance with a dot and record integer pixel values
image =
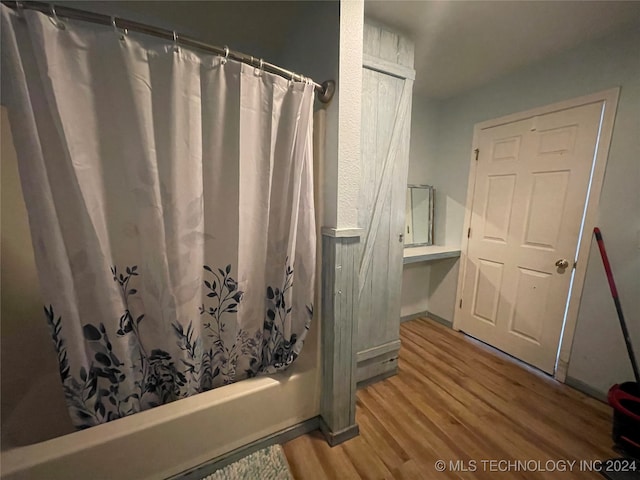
(430, 215)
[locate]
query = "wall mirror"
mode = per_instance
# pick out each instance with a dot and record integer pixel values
(419, 216)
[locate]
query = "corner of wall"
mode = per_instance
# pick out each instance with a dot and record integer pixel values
(350, 87)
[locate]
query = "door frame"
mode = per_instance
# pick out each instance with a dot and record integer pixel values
(610, 99)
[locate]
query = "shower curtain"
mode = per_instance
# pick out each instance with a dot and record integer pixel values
(170, 199)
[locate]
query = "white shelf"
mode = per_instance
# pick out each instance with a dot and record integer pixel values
(427, 254)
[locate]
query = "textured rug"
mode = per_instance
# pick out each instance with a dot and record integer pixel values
(267, 464)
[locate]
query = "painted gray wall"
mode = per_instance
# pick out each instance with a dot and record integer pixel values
(259, 28)
(422, 159)
(415, 289)
(424, 139)
(313, 49)
(598, 357)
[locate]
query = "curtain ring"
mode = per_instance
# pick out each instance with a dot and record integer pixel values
(176, 48)
(226, 55)
(120, 33)
(20, 9)
(55, 20)
(261, 66)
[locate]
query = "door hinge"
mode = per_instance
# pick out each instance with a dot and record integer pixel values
(477, 152)
(575, 264)
(469, 233)
(460, 303)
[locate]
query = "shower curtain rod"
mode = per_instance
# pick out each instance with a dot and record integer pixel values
(324, 91)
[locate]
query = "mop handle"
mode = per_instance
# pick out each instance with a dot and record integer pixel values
(607, 265)
(616, 301)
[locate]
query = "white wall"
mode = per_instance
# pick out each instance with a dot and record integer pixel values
(598, 357)
(415, 289)
(422, 159)
(426, 286)
(351, 32)
(423, 152)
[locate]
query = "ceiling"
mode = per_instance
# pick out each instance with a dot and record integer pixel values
(464, 44)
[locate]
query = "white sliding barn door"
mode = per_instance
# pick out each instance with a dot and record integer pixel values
(386, 122)
(531, 184)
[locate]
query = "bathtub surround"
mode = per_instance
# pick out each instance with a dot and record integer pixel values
(170, 197)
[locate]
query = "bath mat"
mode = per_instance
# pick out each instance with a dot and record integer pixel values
(267, 464)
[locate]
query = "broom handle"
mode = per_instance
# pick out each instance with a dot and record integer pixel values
(616, 301)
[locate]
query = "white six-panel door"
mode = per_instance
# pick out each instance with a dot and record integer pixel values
(531, 184)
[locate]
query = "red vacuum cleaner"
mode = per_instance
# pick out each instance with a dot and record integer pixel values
(623, 398)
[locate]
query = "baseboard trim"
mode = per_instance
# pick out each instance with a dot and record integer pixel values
(283, 436)
(377, 378)
(440, 320)
(413, 316)
(336, 438)
(427, 313)
(586, 389)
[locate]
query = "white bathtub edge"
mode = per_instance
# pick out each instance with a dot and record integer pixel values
(292, 393)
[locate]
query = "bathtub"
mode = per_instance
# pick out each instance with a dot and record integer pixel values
(173, 438)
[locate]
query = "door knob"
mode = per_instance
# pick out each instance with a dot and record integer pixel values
(562, 263)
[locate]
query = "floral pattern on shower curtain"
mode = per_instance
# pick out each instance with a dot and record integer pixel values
(170, 199)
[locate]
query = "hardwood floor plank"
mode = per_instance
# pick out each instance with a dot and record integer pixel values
(525, 409)
(482, 417)
(370, 467)
(409, 470)
(450, 429)
(458, 400)
(380, 440)
(302, 458)
(334, 461)
(418, 448)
